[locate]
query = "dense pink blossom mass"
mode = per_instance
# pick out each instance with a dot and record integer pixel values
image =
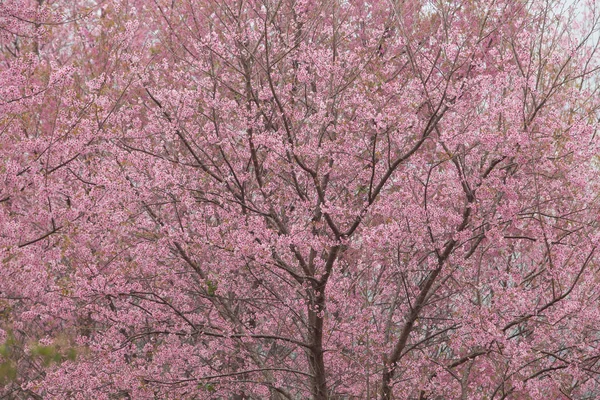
(299, 199)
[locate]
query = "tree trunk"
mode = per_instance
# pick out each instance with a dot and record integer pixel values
(316, 316)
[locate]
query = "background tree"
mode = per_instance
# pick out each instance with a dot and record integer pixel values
(299, 199)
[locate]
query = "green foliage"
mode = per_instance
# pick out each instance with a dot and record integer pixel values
(8, 370)
(211, 287)
(209, 387)
(10, 355)
(53, 354)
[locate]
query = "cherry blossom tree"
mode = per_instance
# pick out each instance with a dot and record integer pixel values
(293, 199)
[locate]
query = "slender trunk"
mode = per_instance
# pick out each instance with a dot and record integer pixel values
(316, 317)
(386, 389)
(390, 362)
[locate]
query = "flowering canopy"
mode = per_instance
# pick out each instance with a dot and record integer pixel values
(293, 199)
